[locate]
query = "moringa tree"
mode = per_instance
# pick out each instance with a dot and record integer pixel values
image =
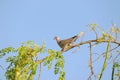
(24, 65)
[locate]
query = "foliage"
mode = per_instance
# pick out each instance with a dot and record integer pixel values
(59, 66)
(24, 65)
(5, 51)
(116, 71)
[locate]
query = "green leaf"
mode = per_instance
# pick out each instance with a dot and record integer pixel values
(7, 50)
(50, 65)
(56, 70)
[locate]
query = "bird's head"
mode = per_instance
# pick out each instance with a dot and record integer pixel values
(56, 38)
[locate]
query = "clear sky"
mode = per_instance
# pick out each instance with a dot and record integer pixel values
(39, 20)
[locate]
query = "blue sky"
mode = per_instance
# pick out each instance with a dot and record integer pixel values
(39, 20)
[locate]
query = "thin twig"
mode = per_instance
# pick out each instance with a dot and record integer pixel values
(2, 67)
(91, 65)
(96, 34)
(40, 71)
(105, 61)
(104, 53)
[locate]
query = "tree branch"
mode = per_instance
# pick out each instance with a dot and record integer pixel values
(97, 40)
(90, 41)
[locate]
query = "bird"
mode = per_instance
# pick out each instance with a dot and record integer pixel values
(67, 44)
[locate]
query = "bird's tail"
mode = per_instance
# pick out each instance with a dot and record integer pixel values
(77, 36)
(80, 34)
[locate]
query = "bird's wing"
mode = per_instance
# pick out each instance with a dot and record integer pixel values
(73, 39)
(68, 41)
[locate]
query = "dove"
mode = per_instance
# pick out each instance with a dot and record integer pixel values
(67, 42)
